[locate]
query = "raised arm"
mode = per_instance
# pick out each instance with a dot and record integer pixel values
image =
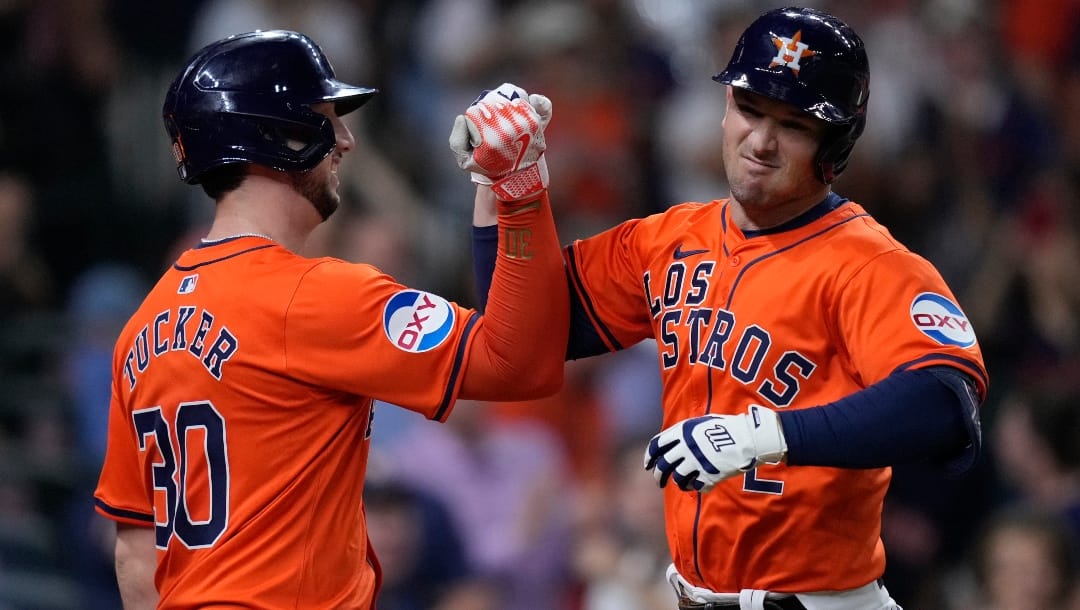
(519, 348)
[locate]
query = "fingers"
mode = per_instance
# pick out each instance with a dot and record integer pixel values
(667, 464)
(506, 92)
(542, 105)
(474, 133)
(464, 138)
(677, 455)
(459, 133)
(657, 456)
(689, 481)
(510, 93)
(460, 141)
(655, 451)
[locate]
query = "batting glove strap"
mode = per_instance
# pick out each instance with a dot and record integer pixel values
(699, 452)
(769, 442)
(523, 184)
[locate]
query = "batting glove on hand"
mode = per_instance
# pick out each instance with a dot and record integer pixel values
(699, 452)
(500, 139)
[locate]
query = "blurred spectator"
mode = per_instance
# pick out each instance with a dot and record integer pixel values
(1021, 561)
(1038, 38)
(340, 26)
(605, 81)
(26, 282)
(505, 486)
(420, 551)
(57, 76)
(1026, 289)
(101, 300)
(1037, 447)
(99, 303)
(574, 418)
(627, 384)
(151, 40)
(620, 552)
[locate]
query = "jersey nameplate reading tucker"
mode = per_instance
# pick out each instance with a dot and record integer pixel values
(181, 330)
(708, 334)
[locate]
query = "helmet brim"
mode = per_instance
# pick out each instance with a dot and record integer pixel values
(789, 91)
(346, 97)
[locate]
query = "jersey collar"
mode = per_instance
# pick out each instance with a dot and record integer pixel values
(831, 202)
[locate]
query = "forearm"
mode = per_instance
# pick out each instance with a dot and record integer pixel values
(583, 341)
(485, 208)
(521, 344)
(136, 561)
(910, 416)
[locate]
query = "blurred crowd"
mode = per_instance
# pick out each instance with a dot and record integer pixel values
(971, 157)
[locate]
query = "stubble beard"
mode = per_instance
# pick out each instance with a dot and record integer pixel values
(316, 189)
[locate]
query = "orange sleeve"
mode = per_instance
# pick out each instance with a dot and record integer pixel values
(520, 347)
(353, 328)
(914, 312)
(123, 492)
(610, 270)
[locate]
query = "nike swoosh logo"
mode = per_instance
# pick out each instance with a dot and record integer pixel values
(680, 254)
(523, 146)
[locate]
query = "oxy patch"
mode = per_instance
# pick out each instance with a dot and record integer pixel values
(417, 321)
(942, 320)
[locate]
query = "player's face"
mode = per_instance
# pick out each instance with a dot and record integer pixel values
(320, 184)
(769, 150)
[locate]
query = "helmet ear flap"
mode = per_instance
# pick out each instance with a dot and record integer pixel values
(832, 157)
(293, 143)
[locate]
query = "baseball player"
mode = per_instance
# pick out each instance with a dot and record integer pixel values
(242, 390)
(802, 349)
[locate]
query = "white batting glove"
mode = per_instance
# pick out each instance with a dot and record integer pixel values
(699, 452)
(500, 140)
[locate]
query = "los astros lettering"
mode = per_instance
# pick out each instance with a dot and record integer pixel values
(703, 336)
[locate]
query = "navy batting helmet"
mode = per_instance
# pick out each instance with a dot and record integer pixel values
(813, 61)
(247, 98)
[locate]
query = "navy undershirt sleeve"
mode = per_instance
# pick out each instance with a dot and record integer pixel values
(584, 340)
(485, 245)
(910, 416)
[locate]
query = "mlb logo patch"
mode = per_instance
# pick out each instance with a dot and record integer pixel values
(187, 285)
(942, 320)
(417, 321)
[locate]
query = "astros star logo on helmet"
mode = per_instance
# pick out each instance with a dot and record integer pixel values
(789, 51)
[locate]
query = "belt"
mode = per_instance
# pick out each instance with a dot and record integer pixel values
(779, 603)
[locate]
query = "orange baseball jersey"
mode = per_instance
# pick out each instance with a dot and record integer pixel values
(239, 428)
(789, 318)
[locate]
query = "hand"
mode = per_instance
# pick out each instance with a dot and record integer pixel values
(700, 452)
(500, 139)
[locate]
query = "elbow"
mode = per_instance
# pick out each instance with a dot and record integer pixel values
(538, 383)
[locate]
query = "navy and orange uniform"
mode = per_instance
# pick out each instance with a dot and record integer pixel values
(241, 409)
(790, 318)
